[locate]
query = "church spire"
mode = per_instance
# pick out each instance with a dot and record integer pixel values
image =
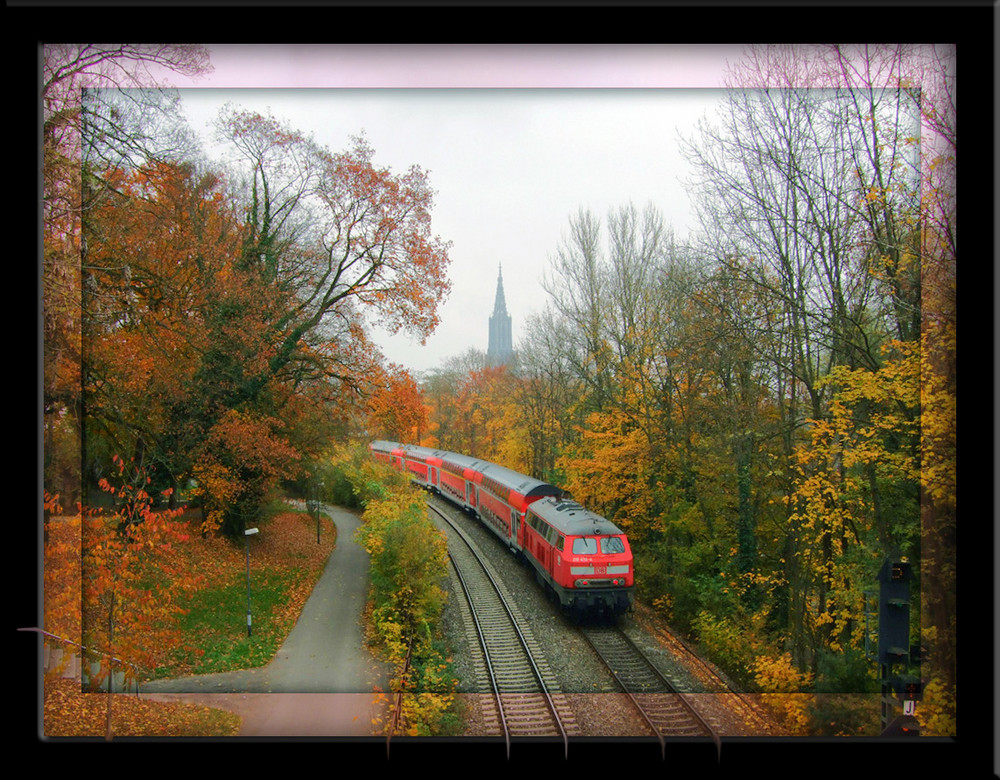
(500, 304)
(500, 343)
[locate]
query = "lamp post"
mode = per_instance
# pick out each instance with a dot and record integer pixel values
(247, 533)
(318, 491)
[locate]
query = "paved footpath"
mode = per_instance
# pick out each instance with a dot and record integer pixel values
(321, 681)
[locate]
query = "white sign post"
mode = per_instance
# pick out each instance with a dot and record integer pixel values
(247, 534)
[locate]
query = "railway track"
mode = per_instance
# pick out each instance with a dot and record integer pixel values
(526, 699)
(667, 713)
(660, 705)
(738, 702)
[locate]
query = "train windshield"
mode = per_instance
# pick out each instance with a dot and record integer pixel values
(588, 545)
(612, 544)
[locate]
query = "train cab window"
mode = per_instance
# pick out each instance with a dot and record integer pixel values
(584, 546)
(612, 544)
(560, 542)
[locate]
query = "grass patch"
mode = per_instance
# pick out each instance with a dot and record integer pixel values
(286, 560)
(215, 625)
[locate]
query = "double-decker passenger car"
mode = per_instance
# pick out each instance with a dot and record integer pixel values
(583, 558)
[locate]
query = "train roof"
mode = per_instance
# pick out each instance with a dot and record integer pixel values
(503, 479)
(522, 484)
(458, 461)
(573, 519)
(406, 449)
(421, 452)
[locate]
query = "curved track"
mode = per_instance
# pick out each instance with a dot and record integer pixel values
(738, 702)
(523, 692)
(665, 710)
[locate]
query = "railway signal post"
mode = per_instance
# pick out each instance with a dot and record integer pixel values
(898, 685)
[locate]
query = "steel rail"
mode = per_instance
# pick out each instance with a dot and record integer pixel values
(484, 642)
(629, 686)
(486, 654)
(749, 707)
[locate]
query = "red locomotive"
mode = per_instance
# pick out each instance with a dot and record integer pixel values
(583, 558)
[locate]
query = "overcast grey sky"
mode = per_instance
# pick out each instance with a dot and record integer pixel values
(515, 139)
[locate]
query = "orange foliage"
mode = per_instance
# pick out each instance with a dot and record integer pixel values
(609, 468)
(200, 320)
(68, 712)
(487, 420)
(61, 578)
(128, 609)
(389, 216)
(396, 408)
(244, 457)
(160, 247)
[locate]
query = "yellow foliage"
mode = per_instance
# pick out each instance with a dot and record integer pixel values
(423, 713)
(938, 418)
(783, 683)
(216, 490)
(872, 433)
(936, 711)
(792, 710)
(779, 675)
(609, 467)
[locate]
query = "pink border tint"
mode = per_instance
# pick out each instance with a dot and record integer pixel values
(462, 65)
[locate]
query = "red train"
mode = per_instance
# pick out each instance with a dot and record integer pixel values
(582, 557)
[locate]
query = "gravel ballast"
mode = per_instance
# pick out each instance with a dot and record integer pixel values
(600, 709)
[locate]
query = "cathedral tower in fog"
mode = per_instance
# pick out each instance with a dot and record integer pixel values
(500, 346)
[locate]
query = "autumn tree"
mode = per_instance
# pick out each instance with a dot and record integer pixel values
(547, 393)
(245, 303)
(178, 338)
(490, 418)
(157, 273)
(771, 185)
(933, 69)
(408, 562)
(344, 238)
(241, 461)
(616, 309)
(473, 410)
(821, 171)
(440, 389)
(396, 410)
(577, 285)
(630, 346)
(729, 328)
(881, 112)
(128, 607)
(68, 72)
(516, 414)
(855, 501)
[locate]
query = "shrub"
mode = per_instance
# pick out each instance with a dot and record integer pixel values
(409, 556)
